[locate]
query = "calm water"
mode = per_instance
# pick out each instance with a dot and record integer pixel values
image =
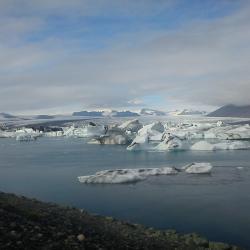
(217, 205)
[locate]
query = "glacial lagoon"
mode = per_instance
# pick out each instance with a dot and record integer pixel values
(215, 205)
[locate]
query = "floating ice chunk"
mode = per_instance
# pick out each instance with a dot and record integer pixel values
(219, 123)
(89, 130)
(118, 139)
(26, 137)
(7, 134)
(170, 142)
(202, 145)
(54, 134)
(140, 142)
(125, 175)
(240, 168)
(198, 168)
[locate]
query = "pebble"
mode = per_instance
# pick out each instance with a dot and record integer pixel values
(80, 237)
(39, 235)
(12, 224)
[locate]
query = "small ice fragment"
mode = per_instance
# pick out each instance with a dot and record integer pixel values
(198, 168)
(240, 168)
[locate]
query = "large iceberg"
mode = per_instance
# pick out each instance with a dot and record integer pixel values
(138, 174)
(125, 175)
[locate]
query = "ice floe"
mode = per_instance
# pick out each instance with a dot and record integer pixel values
(117, 176)
(171, 142)
(125, 175)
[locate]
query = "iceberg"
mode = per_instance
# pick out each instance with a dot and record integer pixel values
(170, 142)
(140, 142)
(202, 145)
(26, 137)
(118, 139)
(7, 134)
(132, 126)
(150, 132)
(54, 134)
(118, 176)
(27, 134)
(125, 175)
(152, 129)
(85, 131)
(198, 168)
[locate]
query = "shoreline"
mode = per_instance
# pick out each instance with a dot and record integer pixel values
(31, 224)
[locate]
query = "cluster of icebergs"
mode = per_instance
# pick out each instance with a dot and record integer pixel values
(191, 136)
(156, 136)
(23, 134)
(134, 175)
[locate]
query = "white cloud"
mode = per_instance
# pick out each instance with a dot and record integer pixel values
(203, 62)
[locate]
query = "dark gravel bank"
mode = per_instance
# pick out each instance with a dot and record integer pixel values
(31, 224)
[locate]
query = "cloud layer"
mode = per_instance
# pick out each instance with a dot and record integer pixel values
(83, 54)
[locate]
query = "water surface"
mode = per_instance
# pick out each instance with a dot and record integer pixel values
(216, 206)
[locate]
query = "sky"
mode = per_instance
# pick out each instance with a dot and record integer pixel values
(60, 56)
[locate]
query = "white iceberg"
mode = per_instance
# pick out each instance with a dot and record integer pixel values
(132, 126)
(26, 137)
(118, 139)
(152, 129)
(198, 168)
(7, 134)
(84, 131)
(125, 175)
(140, 142)
(202, 145)
(54, 134)
(170, 142)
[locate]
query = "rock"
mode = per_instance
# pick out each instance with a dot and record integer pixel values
(39, 235)
(13, 234)
(219, 246)
(80, 237)
(12, 224)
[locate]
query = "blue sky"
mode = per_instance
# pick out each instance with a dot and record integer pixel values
(63, 56)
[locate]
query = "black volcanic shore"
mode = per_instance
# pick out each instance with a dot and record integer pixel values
(31, 224)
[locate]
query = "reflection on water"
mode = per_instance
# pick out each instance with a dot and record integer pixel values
(217, 205)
